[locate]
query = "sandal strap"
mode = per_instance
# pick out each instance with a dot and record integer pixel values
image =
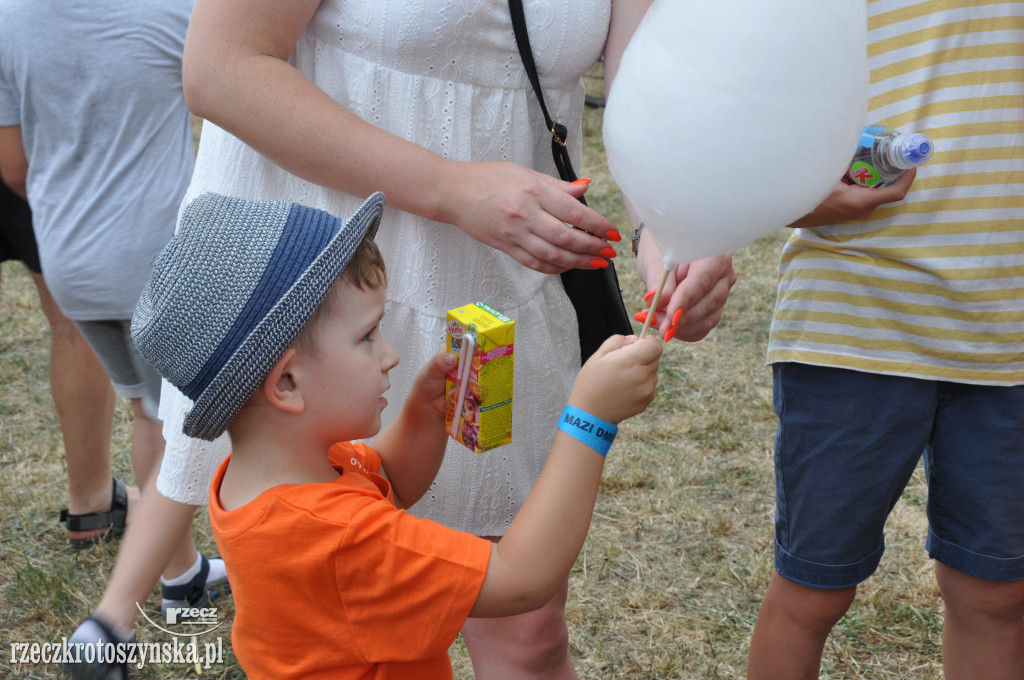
(114, 518)
(193, 591)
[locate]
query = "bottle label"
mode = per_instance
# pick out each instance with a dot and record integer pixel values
(864, 174)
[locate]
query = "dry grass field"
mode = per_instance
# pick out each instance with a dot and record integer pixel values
(669, 582)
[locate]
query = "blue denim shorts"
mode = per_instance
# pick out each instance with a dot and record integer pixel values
(846, 447)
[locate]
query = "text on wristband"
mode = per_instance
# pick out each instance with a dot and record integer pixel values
(589, 427)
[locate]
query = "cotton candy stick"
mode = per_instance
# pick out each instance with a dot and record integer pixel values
(654, 301)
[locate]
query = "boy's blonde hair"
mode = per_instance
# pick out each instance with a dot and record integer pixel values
(365, 271)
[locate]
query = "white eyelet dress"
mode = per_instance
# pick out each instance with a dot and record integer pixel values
(447, 75)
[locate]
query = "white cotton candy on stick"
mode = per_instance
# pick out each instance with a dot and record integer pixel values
(729, 119)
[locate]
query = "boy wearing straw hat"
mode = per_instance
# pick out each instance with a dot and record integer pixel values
(266, 315)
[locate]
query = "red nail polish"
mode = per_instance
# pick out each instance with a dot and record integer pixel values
(675, 317)
(608, 252)
(641, 316)
(671, 332)
(614, 235)
(650, 295)
(582, 180)
(599, 263)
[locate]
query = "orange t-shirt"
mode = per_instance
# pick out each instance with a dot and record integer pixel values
(331, 580)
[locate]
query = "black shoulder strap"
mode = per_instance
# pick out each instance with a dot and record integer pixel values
(558, 131)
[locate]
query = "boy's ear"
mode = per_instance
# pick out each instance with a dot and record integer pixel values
(280, 387)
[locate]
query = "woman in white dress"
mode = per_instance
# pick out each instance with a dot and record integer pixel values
(325, 102)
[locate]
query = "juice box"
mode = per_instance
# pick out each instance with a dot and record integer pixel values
(482, 382)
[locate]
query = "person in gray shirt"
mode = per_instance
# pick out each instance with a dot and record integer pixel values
(94, 131)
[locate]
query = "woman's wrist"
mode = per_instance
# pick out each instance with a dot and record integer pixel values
(445, 196)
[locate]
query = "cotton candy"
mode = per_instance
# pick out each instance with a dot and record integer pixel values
(729, 119)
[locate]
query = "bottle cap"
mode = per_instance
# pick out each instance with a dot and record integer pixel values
(915, 149)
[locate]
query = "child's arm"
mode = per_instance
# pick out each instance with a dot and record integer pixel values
(545, 538)
(411, 448)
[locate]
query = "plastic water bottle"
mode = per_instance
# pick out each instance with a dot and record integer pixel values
(884, 154)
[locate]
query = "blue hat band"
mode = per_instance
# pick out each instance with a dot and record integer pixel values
(305, 234)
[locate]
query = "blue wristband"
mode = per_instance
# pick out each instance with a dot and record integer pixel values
(591, 430)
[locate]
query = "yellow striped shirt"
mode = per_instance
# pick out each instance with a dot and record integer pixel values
(931, 287)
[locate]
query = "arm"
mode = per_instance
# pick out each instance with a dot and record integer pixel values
(853, 202)
(626, 16)
(411, 448)
(545, 538)
(695, 294)
(13, 163)
(701, 288)
(236, 74)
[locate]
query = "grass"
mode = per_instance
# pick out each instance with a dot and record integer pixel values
(678, 556)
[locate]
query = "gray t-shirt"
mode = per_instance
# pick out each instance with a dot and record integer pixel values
(96, 89)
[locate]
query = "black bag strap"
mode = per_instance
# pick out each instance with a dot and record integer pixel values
(594, 293)
(558, 131)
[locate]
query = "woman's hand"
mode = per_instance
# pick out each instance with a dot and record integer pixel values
(237, 75)
(527, 215)
(694, 296)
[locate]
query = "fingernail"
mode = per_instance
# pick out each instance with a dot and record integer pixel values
(582, 180)
(641, 316)
(675, 317)
(671, 332)
(608, 252)
(613, 235)
(650, 295)
(599, 263)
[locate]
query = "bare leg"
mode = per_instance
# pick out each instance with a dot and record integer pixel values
(147, 453)
(531, 646)
(791, 630)
(162, 529)
(147, 443)
(983, 631)
(85, 404)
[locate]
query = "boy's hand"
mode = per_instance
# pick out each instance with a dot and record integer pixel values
(618, 381)
(428, 386)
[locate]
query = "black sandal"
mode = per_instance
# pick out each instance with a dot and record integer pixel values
(114, 519)
(196, 593)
